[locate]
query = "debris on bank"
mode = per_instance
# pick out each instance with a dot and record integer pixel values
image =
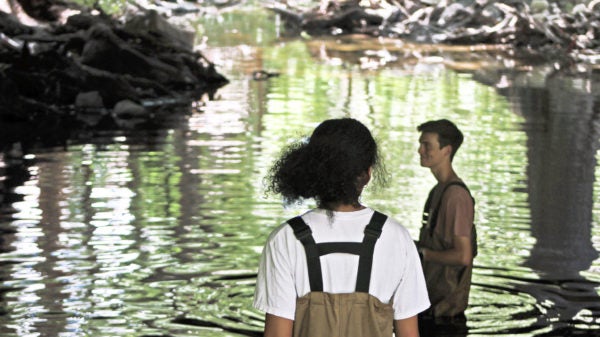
(530, 28)
(82, 66)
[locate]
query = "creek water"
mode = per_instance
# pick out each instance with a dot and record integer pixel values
(158, 233)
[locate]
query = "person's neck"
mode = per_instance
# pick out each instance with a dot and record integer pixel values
(348, 208)
(444, 174)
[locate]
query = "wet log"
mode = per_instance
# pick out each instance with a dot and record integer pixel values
(90, 62)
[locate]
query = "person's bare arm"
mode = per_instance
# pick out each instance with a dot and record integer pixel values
(460, 255)
(408, 327)
(276, 326)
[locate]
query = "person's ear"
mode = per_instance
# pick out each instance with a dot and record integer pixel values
(447, 150)
(365, 177)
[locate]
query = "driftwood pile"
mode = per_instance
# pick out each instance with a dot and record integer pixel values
(536, 27)
(94, 69)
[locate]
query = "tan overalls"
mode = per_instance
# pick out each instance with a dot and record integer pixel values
(357, 314)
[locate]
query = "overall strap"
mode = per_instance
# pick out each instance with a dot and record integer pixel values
(427, 207)
(315, 250)
(365, 262)
(304, 235)
(432, 218)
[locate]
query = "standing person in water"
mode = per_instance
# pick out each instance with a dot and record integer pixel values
(341, 269)
(447, 241)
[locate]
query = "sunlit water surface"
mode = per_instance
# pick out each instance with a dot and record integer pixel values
(159, 234)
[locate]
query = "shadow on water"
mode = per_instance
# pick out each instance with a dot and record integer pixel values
(562, 124)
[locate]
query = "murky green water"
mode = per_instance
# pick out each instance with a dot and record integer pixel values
(159, 233)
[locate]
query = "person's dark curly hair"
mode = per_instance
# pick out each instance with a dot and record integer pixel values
(331, 167)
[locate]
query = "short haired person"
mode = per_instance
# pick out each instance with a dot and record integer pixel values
(447, 241)
(310, 282)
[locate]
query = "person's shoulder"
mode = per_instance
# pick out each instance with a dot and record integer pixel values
(456, 195)
(278, 232)
(393, 225)
(281, 232)
(457, 188)
(395, 237)
(284, 229)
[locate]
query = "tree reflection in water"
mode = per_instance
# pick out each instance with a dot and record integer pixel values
(562, 124)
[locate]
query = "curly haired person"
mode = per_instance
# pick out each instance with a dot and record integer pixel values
(341, 269)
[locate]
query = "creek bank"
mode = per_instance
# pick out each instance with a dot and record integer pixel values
(531, 29)
(93, 70)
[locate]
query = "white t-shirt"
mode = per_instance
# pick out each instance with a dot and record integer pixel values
(396, 271)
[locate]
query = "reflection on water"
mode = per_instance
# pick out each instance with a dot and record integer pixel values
(562, 144)
(158, 234)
